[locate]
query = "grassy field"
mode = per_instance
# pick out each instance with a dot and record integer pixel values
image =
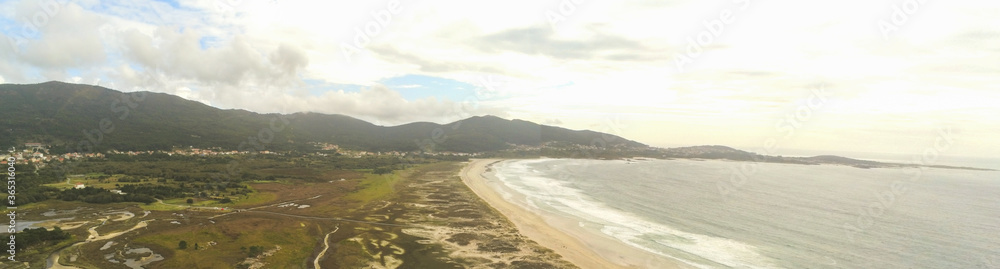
(295, 238)
(298, 238)
(320, 196)
(161, 207)
(376, 186)
(255, 198)
(108, 183)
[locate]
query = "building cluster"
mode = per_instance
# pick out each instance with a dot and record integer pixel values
(192, 151)
(38, 153)
(361, 153)
(555, 145)
(325, 146)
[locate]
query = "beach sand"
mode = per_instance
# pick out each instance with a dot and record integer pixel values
(582, 248)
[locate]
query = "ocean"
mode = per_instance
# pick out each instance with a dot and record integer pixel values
(726, 214)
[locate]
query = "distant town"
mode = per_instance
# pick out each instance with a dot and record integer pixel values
(39, 153)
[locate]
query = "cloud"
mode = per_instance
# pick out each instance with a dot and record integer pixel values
(553, 122)
(289, 59)
(236, 62)
(606, 59)
(542, 40)
(378, 104)
(69, 38)
(436, 65)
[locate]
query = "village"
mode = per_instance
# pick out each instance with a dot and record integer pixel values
(38, 153)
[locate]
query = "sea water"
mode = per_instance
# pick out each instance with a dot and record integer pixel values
(725, 214)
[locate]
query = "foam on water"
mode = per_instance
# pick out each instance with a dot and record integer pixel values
(557, 195)
(786, 216)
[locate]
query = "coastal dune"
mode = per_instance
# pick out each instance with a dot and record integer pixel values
(591, 252)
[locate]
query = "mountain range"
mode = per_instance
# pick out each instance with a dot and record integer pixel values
(85, 118)
(76, 118)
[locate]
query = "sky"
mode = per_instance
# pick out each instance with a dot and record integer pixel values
(912, 77)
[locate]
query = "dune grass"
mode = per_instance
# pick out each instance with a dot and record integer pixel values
(375, 187)
(293, 236)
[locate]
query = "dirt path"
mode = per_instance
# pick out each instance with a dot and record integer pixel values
(94, 236)
(326, 246)
(52, 262)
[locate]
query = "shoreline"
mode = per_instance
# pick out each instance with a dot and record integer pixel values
(581, 248)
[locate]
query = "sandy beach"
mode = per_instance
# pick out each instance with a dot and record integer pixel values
(579, 247)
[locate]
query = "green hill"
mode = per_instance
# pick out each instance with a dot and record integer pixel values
(73, 117)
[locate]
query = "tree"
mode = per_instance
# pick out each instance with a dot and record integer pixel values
(190, 201)
(182, 245)
(382, 171)
(226, 200)
(195, 246)
(30, 237)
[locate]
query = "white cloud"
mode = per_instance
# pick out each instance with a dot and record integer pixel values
(605, 60)
(377, 104)
(68, 39)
